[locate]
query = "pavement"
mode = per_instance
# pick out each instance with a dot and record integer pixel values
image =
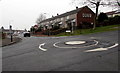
(7, 41)
(51, 54)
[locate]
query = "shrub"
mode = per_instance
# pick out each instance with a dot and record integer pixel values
(102, 17)
(56, 28)
(54, 32)
(111, 21)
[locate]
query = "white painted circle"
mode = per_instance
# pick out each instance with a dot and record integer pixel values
(75, 42)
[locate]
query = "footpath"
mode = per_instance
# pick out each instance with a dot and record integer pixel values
(7, 41)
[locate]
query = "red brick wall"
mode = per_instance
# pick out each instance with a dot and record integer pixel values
(81, 19)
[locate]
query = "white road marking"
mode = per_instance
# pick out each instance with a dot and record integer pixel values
(92, 37)
(55, 45)
(102, 49)
(113, 46)
(40, 47)
(75, 42)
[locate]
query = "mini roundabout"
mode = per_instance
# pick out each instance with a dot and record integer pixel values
(96, 45)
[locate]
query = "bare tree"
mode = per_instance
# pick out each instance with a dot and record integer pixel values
(118, 2)
(40, 18)
(97, 3)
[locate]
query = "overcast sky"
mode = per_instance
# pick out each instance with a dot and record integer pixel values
(22, 14)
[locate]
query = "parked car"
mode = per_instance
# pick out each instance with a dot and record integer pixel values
(26, 34)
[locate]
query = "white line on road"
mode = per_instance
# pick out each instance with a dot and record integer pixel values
(55, 45)
(102, 49)
(40, 47)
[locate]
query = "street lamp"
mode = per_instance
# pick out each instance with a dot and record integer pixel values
(11, 33)
(48, 29)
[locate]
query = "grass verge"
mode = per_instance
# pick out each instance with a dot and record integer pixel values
(89, 31)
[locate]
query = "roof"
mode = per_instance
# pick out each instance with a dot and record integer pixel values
(113, 12)
(35, 25)
(64, 14)
(7, 30)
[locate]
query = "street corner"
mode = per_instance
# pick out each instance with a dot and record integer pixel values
(7, 41)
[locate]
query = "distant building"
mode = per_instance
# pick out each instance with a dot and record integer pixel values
(72, 18)
(113, 13)
(8, 32)
(36, 26)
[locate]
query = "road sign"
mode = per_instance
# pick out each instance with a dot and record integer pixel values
(68, 30)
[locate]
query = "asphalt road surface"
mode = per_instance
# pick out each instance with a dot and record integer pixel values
(51, 53)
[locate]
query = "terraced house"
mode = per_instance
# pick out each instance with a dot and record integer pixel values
(75, 18)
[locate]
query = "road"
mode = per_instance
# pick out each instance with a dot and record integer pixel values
(27, 55)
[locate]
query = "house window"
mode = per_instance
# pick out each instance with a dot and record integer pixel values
(68, 17)
(87, 15)
(51, 21)
(61, 19)
(47, 22)
(90, 15)
(54, 20)
(58, 19)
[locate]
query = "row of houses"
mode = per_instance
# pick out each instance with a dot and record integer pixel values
(113, 13)
(76, 18)
(72, 18)
(8, 32)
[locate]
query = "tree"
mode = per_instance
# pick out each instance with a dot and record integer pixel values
(118, 2)
(32, 29)
(96, 4)
(40, 18)
(102, 17)
(39, 29)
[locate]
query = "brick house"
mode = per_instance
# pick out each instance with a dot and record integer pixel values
(76, 18)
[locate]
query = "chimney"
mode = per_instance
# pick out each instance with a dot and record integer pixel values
(52, 16)
(76, 7)
(57, 14)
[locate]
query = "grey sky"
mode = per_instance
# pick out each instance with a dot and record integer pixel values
(22, 14)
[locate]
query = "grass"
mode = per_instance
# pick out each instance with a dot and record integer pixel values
(89, 31)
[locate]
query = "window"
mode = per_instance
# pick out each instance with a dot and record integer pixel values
(68, 17)
(47, 22)
(61, 19)
(87, 15)
(58, 19)
(90, 15)
(51, 21)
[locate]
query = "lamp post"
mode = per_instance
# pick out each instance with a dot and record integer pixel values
(48, 29)
(11, 33)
